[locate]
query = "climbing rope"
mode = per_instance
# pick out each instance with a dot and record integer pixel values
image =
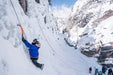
(15, 12)
(47, 40)
(19, 23)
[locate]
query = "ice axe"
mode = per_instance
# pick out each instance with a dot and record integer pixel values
(21, 28)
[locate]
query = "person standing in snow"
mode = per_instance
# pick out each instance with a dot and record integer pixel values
(100, 73)
(33, 51)
(110, 71)
(104, 69)
(90, 69)
(96, 71)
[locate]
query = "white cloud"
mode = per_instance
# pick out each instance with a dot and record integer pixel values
(61, 11)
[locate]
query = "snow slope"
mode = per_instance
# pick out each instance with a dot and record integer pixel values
(59, 59)
(65, 62)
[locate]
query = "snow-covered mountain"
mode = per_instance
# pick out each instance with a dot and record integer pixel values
(38, 22)
(89, 13)
(91, 22)
(84, 12)
(61, 15)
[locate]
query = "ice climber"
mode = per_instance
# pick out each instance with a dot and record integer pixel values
(33, 51)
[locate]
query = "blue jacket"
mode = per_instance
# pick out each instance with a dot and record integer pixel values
(33, 49)
(103, 69)
(96, 71)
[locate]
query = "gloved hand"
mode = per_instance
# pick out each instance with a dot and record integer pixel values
(23, 39)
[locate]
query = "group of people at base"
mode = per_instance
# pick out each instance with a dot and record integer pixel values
(103, 71)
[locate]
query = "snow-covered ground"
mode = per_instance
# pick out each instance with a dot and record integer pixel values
(58, 57)
(65, 61)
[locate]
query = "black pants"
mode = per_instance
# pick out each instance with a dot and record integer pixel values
(34, 60)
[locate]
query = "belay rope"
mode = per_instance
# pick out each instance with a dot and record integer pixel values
(47, 40)
(15, 12)
(17, 18)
